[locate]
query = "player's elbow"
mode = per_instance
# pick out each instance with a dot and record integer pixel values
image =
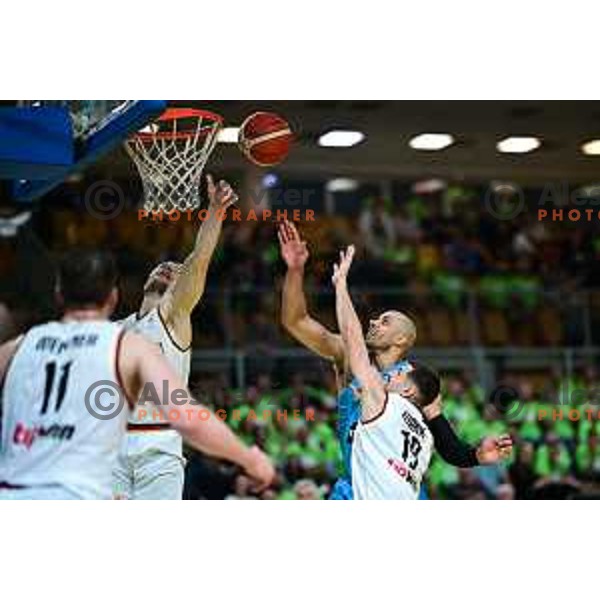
(289, 326)
(291, 323)
(300, 330)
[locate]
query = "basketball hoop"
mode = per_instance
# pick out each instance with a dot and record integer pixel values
(170, 155)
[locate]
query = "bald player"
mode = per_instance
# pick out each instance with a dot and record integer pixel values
(389, 339)
(151, 464)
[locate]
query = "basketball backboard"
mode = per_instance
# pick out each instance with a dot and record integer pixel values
(44, 142)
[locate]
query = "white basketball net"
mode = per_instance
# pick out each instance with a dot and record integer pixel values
(170, 155)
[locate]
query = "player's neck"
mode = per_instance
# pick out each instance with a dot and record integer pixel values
(85, 314)
(386, 358)
(150, 302)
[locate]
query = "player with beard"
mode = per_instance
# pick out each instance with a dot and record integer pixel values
(390, 338)
(151, 464)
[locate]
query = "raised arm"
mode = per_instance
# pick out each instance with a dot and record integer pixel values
(372, 397)
(141, 363)
(186, 292)
(294, 312)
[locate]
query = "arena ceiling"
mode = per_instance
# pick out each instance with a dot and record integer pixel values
(477, 126)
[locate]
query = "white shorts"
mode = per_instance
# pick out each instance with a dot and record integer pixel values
(150, 467)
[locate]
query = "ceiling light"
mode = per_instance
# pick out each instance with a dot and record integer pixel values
(592, 147)
(341, 184)
(431, 141)
(503, 187)
(518, 145)
(228, 135)
(429, 186)
(270, 180)
(340, 138)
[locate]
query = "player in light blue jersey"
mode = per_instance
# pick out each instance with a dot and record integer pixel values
(390, 338)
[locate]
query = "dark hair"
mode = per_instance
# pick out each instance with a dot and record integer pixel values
(86, 278)
(427, 381)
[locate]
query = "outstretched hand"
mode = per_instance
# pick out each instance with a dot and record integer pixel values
(340, 270)
(260, 469)
(221, 195)
(293, 248)
(494, 449)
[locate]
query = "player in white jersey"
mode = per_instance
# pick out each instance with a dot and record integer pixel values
(151, 464)
(66, 386)
(392, 443)
(392, 450)
(390, 338)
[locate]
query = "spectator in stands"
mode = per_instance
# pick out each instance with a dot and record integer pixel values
(376, 226)
(407, 227)
(468, 487)
(505, 492)
(552, 459)
(241, 489)
(528, 236)
(492, 478)
(306, 489)
(521, 472)
(587, 459)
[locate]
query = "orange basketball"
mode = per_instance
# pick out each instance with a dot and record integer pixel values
(265, 138)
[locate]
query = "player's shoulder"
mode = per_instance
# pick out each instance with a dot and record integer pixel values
(138, 320)
(41, 330)
(125, 320)
(405, 405)
(413, 417)
(133, 349)
(7, 350)
(75, 330)
(132, 340)
(399, 400)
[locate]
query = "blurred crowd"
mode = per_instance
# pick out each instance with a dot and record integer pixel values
(294, 423)
(553, 457)
(465, 275)
(557, 451)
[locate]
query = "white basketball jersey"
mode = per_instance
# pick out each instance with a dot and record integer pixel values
(391, 453)
(152, 327)
(50, 436)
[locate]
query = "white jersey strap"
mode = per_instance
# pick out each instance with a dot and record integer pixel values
(170, 335)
